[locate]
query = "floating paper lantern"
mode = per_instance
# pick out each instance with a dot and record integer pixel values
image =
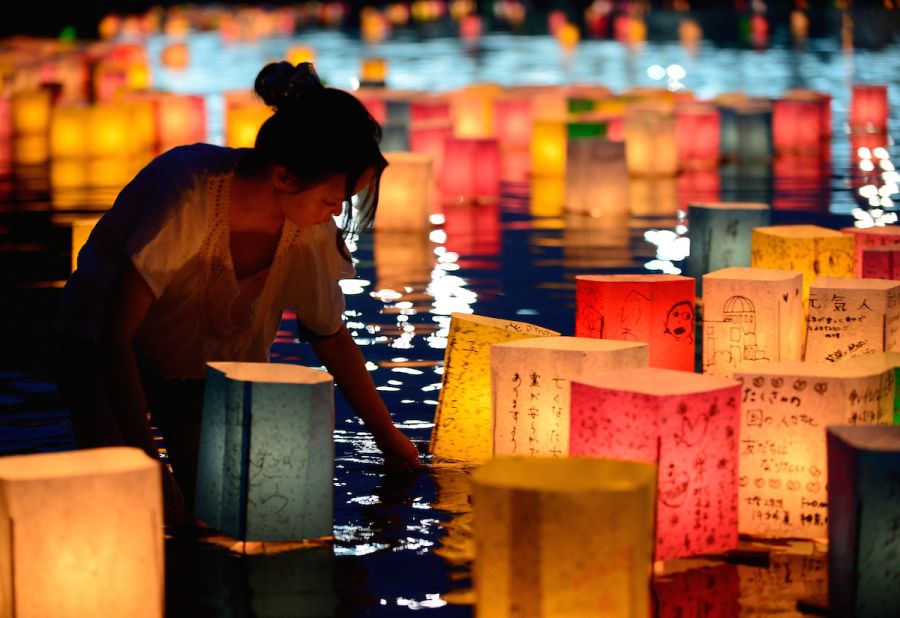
(869, 107)
(530, 383)
(684, 422)
(31, 112)
(406, 192)
(754, 128)
(852, 317)
(651, 146)
(266, 451)
(783, 466)
(560, 537)
(70, 131)
(867, 238)
(463, 423)
(180, 119)
(596, 176)
(797, 126)
(811, 249)
(751, 316)
(243, 118)
(548, 196)
(863, 511)
(427, 137)
(697, 135)
(176, 56)
(720, 235)
(881, 262)
(471, 169)
(512, 116)
(823, 102)
(655, 309)
(300, 53)
(515, 165)
(373, 71)
(112, 130)
(424, 108)
(473, 110)
(548, 148)
(82, 534)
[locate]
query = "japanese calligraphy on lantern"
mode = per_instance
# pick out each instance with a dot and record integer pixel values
(869, 238)
(708, 592)
(787, 578)
(752, 316)
(688, 423)
(852, 317)
(655, 309)
(530, 387)
(463, 423)
(881, 262)
(785, 408)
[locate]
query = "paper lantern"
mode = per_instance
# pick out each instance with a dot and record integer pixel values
(783, 466)
(754, 129)
(720, 235)
(180, 119)
(548, 196)
(655, 309)
(867, 238)
(463, 423)
(6, 129)
(403, 259)
(427, 137)
(471, 169)
(751, 316)
(684, 422)
(530, 383)
(823, 102)
(651, 146)
(797, 126)
(374, 100)
(473, 110)
(406, 192)
(697, 135)
(562, 537)
(297, 54)
(548, 148)
(243, 119)
(596, 177)
(515, 165)
(863, 514)
(266, 451)
(869, 108)
(82, 534)
(711, 590)
(30, 150)
(512, 119)
(852, 317)
(373, 71)
(70, 131)
(881, 263)
(788, 576)
(429, 109)
(811, 249)
(112, 130)
(31, 112)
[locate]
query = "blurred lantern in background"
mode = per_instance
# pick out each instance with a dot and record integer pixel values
(176, 56)
(869, 109)
(471, 169)
(472, 109)
(548, 148)
(297, 54)
(596, 177)
(651, 146)
(697, 135)
(373, 25)
(406, 192)
(373, 72)
(513, 114)
(30, 112)
(244, 115)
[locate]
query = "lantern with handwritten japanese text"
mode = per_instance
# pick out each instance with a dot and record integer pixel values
(869, 108)
(697, 135)
(558, 537)
(785, 408)
(852, 317)
(881, 262)
(685, 422)
(811, 249)
(406, 192)
(244, 115)
(866, 238)
(82, 534)
(463, 420)
(655, 309)
(471, 169)
(751, 316)
(512, 118)
(720, 235)
(863, 520)
(530, 383)
(596, 176)
(548, 148)
(651, 146)
(266, 451)
(685, 589)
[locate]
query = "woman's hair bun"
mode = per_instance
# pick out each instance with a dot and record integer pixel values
(281, 84)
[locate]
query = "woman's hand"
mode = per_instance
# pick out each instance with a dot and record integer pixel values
(399, 451)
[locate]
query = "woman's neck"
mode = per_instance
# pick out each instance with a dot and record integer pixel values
(251, 204)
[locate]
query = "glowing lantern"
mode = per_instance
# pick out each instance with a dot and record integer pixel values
(5, 117)
(863, 511)
(720, 235)
(697, 135)
(548, 148)
(690, 33)
(473, 110)
(429, 109)
(406, 192)
(852, 317)
(548, 196)
(111, 130)
(373, 72)
(811, 249)
(751, 316)
(266, 451)
(655, 309)
(797, 126)
(784, 408)
(81, 230)
(596, 176)
(869, 108)
(176, 56)
(687, 424)
(515, 164)
(30, 150)
(713, 589)
(243, 118)
(31, 112)
(69, 131)
(558, 537)
(463, 423)
(867, 238)
(651, 147)
(568, 36)
(180, 119)
(471, 169)
(530, 383)
(512, 120)
(300, 53)
(427, 137)
(82, 534)
(881, 263)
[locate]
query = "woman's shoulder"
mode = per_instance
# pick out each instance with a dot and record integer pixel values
(195, 159)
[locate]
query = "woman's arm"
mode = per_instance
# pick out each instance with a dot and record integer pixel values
(343, 359)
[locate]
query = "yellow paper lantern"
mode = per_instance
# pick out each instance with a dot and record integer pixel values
(563, 537)
(651, 146)
(243, 118)
(530, 384)
(112, 130)
(69, 131)
(548, 148)
(373, 71)
(176, 56)
(31, 112)
(406, 193)
(548, 196)
(784, 409)
(82, 534)
(31, 149)
(463, 422)
(301, 53)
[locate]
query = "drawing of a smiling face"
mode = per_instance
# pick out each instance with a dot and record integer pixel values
(680, 321)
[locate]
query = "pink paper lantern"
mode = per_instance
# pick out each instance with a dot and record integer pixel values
(655, 309)
(685, 422)
(697, 134)
(470, 169)
(798, 126)
(512, 119)
(428, 137)
(881, 262)
(868, 238)
(869, 107)
(515, 165)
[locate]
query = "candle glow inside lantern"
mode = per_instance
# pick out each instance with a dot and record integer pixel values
(373, 71)
(463, 420)
(472, 109)
(82, 534)
(687, 424)
(863, 515)
(406, 192)
(751, 316)
(266, 451)
(798, 126)
(30, 112)
(783, 466)
(852, 317)
(243, 118)
(720, 235)
(69, 131)
(548, 148)
(596, 177)
(530, 384)
(180, 119)
(697, 135)
(881, 263)
(651, 145)
(811, 249)
(869, 108)
(867, 238)
(471, 169)
(655, 309)
(562, 537)
(512, 116)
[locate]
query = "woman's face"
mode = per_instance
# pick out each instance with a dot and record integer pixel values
(316, 204)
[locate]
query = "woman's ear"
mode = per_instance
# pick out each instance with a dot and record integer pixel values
(283, 179)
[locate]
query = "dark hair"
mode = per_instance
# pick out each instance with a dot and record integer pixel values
(317, 132)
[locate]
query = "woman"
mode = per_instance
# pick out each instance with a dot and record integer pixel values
(198, 257)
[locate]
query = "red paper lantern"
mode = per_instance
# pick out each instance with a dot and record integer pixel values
(471, 169)
(869, 107)
(697, 134)
(868, 238)
(428, 137)
(512, 120)
(881, 263)
(798, 126)
(687, 424)
(655, 309)
(708, 591)
(428, 109)
(515, 164)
